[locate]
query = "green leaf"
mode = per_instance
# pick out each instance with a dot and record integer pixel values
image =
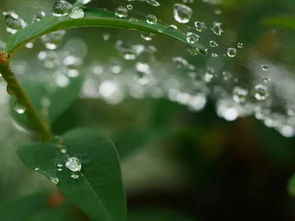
(156, 214)
(282, 21)
(41, 87)
(98, 191)
(25, 207)
(93, 18)
(291, 186)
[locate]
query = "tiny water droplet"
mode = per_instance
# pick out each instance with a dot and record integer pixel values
(54, 180)
(264, 67)
(240, 45)
(37, 169)
(182, 13)
(217, 29)
(261, 92)
(130, 7)
(151, 19)
(200, 26)
(38, 16)
(240, 95)
(231, 52)
(84, 2)
(147, 36)
(192, 38)
(213, 44)
(153, 2)
(74, 164)
(75, 176)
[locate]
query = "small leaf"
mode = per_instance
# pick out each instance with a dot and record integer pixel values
(93, 18)
(282, 21)
(98, 191)
(59, 98)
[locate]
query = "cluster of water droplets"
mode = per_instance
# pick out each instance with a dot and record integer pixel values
(136, 70)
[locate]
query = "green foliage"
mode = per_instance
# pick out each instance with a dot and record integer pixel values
(281, 21)
(98, 191)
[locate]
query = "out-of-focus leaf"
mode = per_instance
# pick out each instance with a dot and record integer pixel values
(291, 186)
(40, 89)
(148, 214)
(98, 191)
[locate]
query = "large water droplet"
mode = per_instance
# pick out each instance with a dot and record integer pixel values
(74, 164)
(61, 8)
(13, 22)
(182, 13)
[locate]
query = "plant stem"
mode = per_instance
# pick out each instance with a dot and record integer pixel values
(14, 88)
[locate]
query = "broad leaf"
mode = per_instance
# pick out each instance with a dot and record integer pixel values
(93, 18)
(40, 88)
(98, 191)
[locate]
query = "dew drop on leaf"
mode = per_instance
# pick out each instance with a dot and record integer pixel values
(77, 13)
(151, 19)
(19, 108)
(61, 8)
(121, 12)
(13, 22)
(153, 2)
(74, 164)
(54, 180)
(231, 52)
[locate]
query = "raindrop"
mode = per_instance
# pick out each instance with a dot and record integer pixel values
(213, 44)
(54, 180)
(151, 19)
(231, 52)
(19, 108)
(121, 12)
(76, 13)
(261, 92)
(217, 29)
(13, 22)
(75, 176)
(74, 164)
(200, 26)
(61, 8)
(264, 67)
(153, 2)
(182, 13)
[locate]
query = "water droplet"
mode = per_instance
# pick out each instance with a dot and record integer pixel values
(13, 22)
(213, 44)
(130, 7)
(240, 45)
(264, 67)
(74, 164)
(151, 19)
(153, 2)
(38, 16)
(54, 180)
(75, 176)
(217, 29)
(147, 36)
(52, 40)
(19, 108)
(266, 79)
(231, 52)
(63, 151)
(240, 95)
(192, 38)
(84, 2)
(182, 13)
(121, 12)
(261, 92)
(59, 165)
(37, 169)
(200, 26)
(61, 8)
(76, 13)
